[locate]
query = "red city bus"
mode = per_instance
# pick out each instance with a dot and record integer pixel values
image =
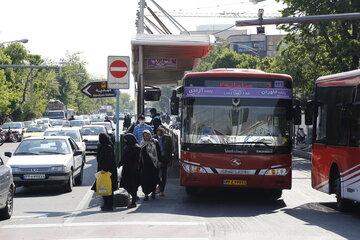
(335, 116)
(236, 130)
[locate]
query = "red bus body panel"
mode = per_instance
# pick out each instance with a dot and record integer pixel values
(260, 163)
(346, 158)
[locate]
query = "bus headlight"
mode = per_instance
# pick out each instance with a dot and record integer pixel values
(191, 168)
(277, 172)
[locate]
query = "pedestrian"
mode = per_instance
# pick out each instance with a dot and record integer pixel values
(166, 149)
(130, 160)
(127, 122)
(106, 162)
(150, 152)
(156, 119)
(140, 128)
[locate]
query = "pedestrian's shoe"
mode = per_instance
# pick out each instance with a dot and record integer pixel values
(107, 209)
(153, 195)
(132, 205)
(162, 194)
(146, 198)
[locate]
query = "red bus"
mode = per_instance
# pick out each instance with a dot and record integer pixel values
(335, 116)
(236, 130)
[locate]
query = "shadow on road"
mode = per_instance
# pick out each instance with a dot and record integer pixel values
(325, 215)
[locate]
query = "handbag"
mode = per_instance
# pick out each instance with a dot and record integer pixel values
(103, 183)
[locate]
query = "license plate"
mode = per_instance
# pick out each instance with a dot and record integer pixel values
(233, 182)
(34, 176)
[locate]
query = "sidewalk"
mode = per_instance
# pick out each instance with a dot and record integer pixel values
(302, 151)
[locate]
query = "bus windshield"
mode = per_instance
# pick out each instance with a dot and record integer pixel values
(221, 123)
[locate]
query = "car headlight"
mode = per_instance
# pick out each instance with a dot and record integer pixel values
(191, 168)
(57, 169)
(15, 169)
(277, 172)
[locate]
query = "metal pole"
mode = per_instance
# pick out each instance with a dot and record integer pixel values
(304, 19)
(141, 82)
(140, 28)
(117, 130)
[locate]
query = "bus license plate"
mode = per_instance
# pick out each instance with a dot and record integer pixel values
(233, 182)
(34, 176)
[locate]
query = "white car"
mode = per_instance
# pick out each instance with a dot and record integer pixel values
(90, 133)
(73, 132)
(47, 161)
(14, 126)
(108, 125)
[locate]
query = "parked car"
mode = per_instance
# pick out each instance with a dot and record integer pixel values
(17, 127)
(35, 131)
(90, 134)
(47, 161)
(73, 132)
(7, 191)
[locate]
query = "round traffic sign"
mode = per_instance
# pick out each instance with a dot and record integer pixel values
(118, 69)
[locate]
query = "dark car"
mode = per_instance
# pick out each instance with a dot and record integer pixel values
(7, 190)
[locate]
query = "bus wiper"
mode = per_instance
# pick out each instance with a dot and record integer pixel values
(260, 142)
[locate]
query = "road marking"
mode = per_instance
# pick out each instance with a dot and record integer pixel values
(30, 216)
(135, 238)
(87, 224)
(83, 204)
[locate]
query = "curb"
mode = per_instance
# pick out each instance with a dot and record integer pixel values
(301, 154)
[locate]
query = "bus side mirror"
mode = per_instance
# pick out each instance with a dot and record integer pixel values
(174, 104)
(297, 115)
(309, 112)
(152, 93)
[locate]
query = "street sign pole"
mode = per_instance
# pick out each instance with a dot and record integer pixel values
(117, 131)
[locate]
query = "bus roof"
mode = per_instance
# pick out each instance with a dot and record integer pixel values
(350, 78)
(237, 72)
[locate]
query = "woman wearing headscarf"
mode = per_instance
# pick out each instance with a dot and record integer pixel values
(106, 162)
(150, 153)
(130, 160)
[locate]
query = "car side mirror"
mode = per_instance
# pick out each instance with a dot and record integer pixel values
(8, 154)
(77, 153)
(85, 140)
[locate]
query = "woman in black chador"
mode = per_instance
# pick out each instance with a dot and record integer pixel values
(150, 153)
(130, 160)
(106, 162)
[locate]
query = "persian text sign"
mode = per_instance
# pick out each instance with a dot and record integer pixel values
(275, 93)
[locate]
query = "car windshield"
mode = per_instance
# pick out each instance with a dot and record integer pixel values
(36, 129)
(74, 134)
(76, 123)
(86, 131)
(42, 147)
(11, 125)
(226, 124)
(57, 122)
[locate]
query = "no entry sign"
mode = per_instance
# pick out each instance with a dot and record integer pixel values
(118, 72)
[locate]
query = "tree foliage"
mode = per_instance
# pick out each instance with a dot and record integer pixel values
(25, 93)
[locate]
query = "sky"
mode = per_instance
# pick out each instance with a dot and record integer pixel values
(98, 28)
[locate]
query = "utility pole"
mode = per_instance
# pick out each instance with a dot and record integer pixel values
(140, 77)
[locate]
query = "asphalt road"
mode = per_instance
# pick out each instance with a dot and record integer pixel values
(302, 213)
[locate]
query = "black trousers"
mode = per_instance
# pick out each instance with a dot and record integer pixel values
(163, 175)
(108, 201)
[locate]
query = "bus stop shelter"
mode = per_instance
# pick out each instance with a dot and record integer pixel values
(163, 59)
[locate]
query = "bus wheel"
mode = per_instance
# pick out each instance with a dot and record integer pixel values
(342, 204)
(191, 191)
(275, 194)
